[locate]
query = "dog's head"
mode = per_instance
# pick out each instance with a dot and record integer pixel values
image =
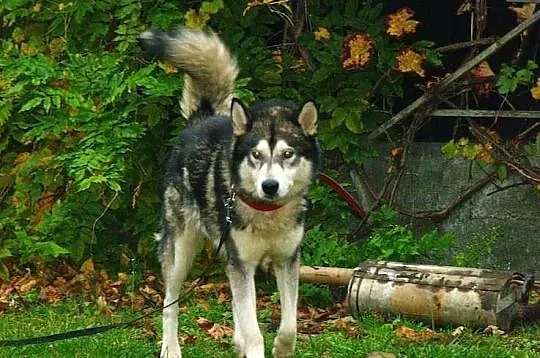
(276, 153)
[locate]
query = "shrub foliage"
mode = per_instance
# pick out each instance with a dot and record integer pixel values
(86, 121)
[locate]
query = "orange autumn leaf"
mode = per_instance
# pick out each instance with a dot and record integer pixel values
(168, 68)
(436, 80)
(321, 34)
(535, 91)
(485, 154)
(21, 158)
(396, 152)
(357, 51)
(409, 60)
(422, 336)
(523, 12)
(214, 330)
(483, 70)
(44, 204)
(399, 23)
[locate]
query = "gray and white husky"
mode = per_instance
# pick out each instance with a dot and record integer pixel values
(264, 157)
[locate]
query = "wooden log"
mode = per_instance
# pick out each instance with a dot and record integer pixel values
(448, 81)
(326, 275)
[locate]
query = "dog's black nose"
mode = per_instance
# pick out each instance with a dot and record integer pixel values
(270, 186)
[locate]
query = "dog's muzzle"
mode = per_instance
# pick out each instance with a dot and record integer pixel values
(270, 187)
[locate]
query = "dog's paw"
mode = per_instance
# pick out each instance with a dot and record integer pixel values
(283, 348)
(170, 351)
(238, 342)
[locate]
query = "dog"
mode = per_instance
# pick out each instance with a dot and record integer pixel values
(236, 170)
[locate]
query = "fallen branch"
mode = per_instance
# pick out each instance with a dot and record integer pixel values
(445, 83)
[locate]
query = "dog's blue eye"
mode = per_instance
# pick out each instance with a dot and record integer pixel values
(256, 154)
(288, 154)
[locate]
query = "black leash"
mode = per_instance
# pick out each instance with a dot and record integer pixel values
(229, 204)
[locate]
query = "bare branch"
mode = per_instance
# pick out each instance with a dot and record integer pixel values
(448, 81)
(444, 213)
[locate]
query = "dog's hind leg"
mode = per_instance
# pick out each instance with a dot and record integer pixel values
(286, 272)
(247, 336)
(179, 246)
(175, 269)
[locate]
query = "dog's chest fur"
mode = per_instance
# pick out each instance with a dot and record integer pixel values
(268, 234)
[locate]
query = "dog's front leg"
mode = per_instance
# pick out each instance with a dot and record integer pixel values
(247, 336)
(286, 272)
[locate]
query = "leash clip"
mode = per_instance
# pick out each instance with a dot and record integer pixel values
(229, 205)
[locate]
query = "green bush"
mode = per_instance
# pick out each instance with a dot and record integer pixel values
(395, 242)
(86, 121)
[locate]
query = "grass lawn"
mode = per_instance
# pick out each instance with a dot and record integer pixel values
(335, 340)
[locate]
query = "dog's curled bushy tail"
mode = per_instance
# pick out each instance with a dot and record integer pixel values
(210, 68)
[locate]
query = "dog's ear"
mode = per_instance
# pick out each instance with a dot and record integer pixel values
(307, 119)
(240, 118)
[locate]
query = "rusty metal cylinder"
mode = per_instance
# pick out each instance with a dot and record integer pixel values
(438, 295)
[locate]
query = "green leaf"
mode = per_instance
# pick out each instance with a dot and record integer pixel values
(5, 252)
(471, 151)
(353, 122)
(5, 110)
(34, 102)
(449, 150)
(339, 116)
(502, 172)
(212, 7)
(50, 248)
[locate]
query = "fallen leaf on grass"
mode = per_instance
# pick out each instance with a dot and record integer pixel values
(214, 330)
(417, 336)
(309, 327)
(458, 331)
(349, 325)
(219, 331)
(188, 339)
(147, 327)
(87, 268)
(103, 307)
(492, 330)
(223, 297)
(50, 294)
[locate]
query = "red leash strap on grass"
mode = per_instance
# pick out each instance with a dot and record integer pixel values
(353, 204)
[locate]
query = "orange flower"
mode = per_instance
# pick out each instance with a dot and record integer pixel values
(399, 23)
(409, 60)
(357, 51)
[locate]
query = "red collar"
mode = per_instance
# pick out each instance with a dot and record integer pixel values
(260, 206)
